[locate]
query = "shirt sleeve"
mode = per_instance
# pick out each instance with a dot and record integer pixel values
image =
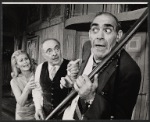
(37, 92)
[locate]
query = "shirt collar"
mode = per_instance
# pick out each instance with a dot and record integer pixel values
(94, 62)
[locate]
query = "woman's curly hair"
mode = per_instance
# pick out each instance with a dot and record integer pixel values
(16, 71)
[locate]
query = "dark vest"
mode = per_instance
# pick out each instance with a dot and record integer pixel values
(52, 93)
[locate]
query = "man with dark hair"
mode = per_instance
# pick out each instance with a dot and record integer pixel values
(48, 93)
(117, 98)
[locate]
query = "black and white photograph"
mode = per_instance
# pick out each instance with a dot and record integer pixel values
(75, 61)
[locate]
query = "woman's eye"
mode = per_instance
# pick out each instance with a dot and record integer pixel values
(26, 58)
(21, 60)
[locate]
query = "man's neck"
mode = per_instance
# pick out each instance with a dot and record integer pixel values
(56, 64)
(96, 60)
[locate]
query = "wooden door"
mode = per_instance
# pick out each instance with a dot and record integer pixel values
(69, 44)
(82, 37)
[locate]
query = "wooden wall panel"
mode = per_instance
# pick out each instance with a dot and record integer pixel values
(78, 9)
(139, 52)
(92, 8)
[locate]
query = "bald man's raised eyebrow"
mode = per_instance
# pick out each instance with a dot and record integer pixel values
(94, 24)
(109, 25)
(106, 25)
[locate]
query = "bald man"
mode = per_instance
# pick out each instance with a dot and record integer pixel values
(48, 93)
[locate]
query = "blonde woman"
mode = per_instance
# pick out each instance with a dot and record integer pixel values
(22, 84)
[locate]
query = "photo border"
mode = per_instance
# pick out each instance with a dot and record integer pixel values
(1, 43)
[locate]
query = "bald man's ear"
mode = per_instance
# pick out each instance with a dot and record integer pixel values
(119, 35)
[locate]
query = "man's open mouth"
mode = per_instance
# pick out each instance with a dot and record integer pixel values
(55, 58)
(100, 45)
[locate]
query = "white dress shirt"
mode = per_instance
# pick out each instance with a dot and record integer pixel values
(37, 92)
(69, 112)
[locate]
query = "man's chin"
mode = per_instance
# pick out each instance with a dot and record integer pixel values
(100, 56)
(56, 62)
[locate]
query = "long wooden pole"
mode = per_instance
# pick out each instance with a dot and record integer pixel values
(103, 64)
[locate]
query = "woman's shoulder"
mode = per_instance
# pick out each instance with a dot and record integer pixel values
(18, 82)
(14, 80)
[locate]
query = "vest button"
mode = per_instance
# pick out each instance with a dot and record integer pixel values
(102, 93)
(52, 106)
(52, 100)
(52, 94)
(111, 117)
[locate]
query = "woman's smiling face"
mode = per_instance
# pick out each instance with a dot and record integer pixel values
(23, 62)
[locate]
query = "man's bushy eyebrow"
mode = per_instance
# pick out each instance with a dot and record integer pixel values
(109, 25)
(93, 24)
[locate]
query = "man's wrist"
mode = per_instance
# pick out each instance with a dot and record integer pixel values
(71, 79)
(38, 107)
(90, 101)
(26, 90)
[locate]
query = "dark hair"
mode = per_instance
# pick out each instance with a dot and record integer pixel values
(118, 27)
(51, 39)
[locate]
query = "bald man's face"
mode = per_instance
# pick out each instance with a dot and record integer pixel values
(51, 52)
(103, 35)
